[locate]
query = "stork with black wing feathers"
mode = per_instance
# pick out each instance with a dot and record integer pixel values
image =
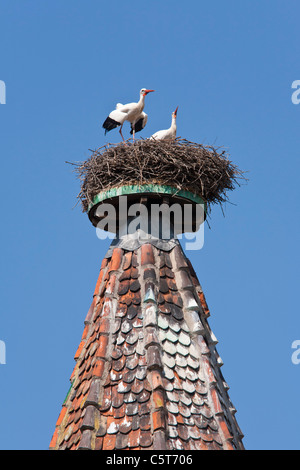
(132, 112)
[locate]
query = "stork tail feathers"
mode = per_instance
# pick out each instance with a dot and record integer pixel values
(110, 124)
(138, 126)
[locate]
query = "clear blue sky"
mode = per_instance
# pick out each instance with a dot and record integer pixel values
(229, 66)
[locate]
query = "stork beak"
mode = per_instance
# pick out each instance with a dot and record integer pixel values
(175, 112)
(147, 91)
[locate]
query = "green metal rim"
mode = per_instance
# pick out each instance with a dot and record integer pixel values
(144, 189)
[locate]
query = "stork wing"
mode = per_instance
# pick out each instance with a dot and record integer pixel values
(118, 115)
(140, 123)
(126, 108)
(160, 135)
(116, 118)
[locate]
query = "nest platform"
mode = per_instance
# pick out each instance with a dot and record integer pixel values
(202, 173)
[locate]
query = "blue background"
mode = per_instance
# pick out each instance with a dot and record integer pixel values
(229, 66)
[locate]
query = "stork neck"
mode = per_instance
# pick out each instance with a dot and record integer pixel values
(142, 100)
(173, 124)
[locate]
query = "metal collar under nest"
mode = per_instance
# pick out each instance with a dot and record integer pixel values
(203, 170)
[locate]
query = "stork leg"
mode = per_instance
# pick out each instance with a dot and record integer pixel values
(133, 134)
(121, 133)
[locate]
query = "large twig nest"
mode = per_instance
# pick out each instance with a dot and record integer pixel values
(203, 170)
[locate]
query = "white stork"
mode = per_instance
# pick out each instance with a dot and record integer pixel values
(167, 133)
(132, 112)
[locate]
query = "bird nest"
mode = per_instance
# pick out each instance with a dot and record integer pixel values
(203, 170)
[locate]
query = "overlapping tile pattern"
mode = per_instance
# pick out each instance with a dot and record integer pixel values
(147, 373)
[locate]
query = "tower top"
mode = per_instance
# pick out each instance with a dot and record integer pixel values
(147, 372)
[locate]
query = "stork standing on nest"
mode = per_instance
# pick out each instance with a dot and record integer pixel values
(132, 112)
(170, 133)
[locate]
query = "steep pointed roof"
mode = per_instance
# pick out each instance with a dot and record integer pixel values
(147, 373)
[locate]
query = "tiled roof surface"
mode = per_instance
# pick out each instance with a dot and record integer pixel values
(147, 373)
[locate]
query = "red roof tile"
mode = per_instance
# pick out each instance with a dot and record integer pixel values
(147, 373)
